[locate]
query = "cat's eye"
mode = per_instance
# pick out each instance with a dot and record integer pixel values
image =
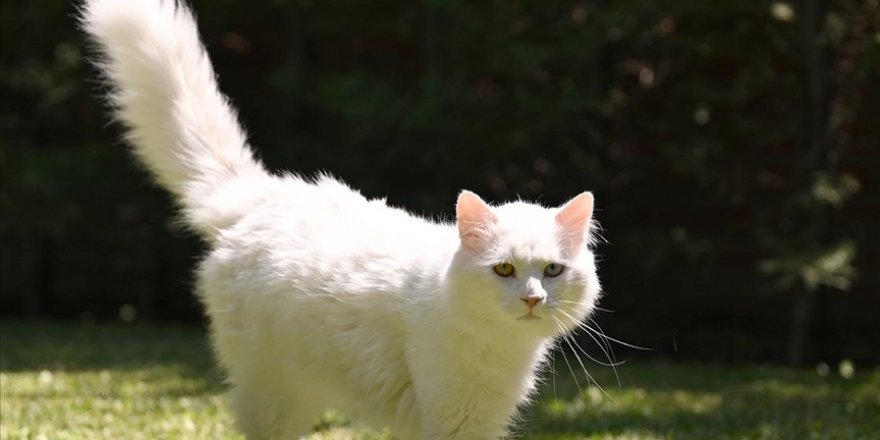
(504, 269)
(553, 270)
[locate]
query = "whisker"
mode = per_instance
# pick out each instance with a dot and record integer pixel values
(568, 338)
(567, 301)
(604, 336)
(625, 344)
(607, 344)
(612, 362)
(565, 358)
(603, 343)
(553, 376)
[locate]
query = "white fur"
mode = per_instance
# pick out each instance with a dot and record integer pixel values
(320, 298)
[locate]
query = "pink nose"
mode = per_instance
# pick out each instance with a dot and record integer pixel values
(532, 301)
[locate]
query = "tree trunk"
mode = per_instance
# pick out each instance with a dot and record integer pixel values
(801, 317)
(817, 132)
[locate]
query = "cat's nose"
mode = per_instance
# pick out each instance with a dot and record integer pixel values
(532, 300)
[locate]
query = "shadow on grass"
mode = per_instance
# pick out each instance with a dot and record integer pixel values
(157, 349)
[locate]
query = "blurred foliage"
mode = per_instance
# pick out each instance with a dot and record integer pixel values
(689, 120)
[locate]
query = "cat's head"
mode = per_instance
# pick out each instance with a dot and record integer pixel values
(524, 265)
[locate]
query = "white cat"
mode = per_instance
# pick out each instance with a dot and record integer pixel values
(319, 298)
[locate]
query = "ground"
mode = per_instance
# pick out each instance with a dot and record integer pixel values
(145, 381)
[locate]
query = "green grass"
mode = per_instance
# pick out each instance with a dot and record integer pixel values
(67, 381)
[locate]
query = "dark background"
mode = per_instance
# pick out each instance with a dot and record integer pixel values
(732, 147)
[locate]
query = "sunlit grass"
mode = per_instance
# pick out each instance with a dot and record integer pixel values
(66, 381)
(663, 400)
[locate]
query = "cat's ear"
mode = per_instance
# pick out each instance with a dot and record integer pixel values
(573, 219)
(475, 220)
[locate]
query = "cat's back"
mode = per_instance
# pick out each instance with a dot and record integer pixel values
(324, 235)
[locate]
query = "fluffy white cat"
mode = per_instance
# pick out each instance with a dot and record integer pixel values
(320, 298)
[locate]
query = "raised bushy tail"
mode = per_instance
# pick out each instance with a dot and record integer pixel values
(164, 91)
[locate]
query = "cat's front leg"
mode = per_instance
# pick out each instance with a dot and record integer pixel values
(462, 406)
(463, 419)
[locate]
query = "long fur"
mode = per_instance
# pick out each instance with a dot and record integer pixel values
(320, 298)
(164, 91)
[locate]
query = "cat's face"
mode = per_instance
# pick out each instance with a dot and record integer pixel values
(525, 265)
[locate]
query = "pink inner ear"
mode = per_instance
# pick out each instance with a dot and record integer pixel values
(475, 219)
(574, 220)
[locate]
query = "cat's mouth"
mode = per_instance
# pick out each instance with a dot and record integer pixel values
(528, 317)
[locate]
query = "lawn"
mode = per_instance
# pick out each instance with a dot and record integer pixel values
(72, 381)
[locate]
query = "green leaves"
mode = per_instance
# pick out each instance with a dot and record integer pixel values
(831, 267)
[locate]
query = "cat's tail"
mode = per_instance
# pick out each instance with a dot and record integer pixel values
(163, 90)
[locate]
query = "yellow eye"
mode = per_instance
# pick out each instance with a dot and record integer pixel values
(553, 270)
(504, 269)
